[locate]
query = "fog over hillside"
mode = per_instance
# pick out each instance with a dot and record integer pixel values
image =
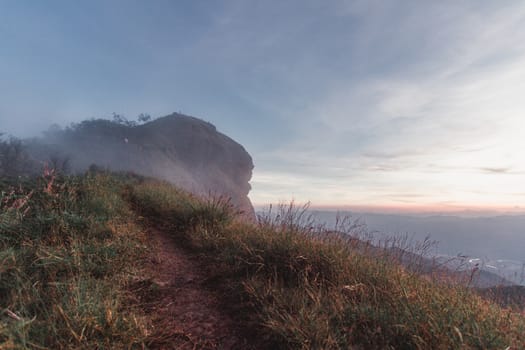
(181, 149)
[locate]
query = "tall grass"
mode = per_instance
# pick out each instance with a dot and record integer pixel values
(303, 286)
(68, 247)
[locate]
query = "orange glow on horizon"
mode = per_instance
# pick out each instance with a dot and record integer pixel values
(410, 208)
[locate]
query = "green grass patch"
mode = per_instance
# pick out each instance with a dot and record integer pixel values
(68, 248)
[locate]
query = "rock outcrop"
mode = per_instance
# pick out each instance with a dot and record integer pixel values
(183, 150)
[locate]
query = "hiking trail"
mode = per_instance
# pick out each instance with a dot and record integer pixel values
(186, 314)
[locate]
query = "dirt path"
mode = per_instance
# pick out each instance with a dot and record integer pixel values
(185, 314)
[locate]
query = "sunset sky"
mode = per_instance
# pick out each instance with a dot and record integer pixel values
(398, 105)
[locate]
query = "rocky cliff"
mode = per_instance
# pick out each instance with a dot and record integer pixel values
(183, 150)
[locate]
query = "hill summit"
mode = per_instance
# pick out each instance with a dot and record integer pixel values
(180, 149)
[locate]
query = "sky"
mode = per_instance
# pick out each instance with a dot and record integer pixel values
(380, 105)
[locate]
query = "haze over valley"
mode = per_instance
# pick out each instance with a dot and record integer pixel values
(494, 243)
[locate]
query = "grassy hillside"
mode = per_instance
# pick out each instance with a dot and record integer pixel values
(309, 288)
(70, 248)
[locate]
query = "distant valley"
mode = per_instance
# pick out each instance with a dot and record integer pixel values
(495, 243)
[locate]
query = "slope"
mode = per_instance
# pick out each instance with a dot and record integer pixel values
(113, 261)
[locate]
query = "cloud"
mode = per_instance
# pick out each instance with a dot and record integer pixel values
(462, 96)
(343, 101)
(495, 170)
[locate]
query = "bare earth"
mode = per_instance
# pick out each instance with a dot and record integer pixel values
(186, 314)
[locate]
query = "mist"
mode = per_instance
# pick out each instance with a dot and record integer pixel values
(497, 241)
(184, 150)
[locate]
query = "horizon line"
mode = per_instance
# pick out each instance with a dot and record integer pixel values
(406, 209)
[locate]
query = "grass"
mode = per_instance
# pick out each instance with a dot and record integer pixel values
(70, 248)
(306, 287)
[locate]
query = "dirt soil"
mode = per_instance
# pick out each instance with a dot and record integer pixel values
(186, 314)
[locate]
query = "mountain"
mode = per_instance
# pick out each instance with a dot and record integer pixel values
(506, 295)
(451, 269)
(492, 244)
(180, 149)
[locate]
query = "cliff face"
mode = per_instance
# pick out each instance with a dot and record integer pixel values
(183, 150)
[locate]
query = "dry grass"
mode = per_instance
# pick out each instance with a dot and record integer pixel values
(305, 287)
(68, 248)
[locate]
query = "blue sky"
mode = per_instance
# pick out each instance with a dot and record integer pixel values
(414, 105)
